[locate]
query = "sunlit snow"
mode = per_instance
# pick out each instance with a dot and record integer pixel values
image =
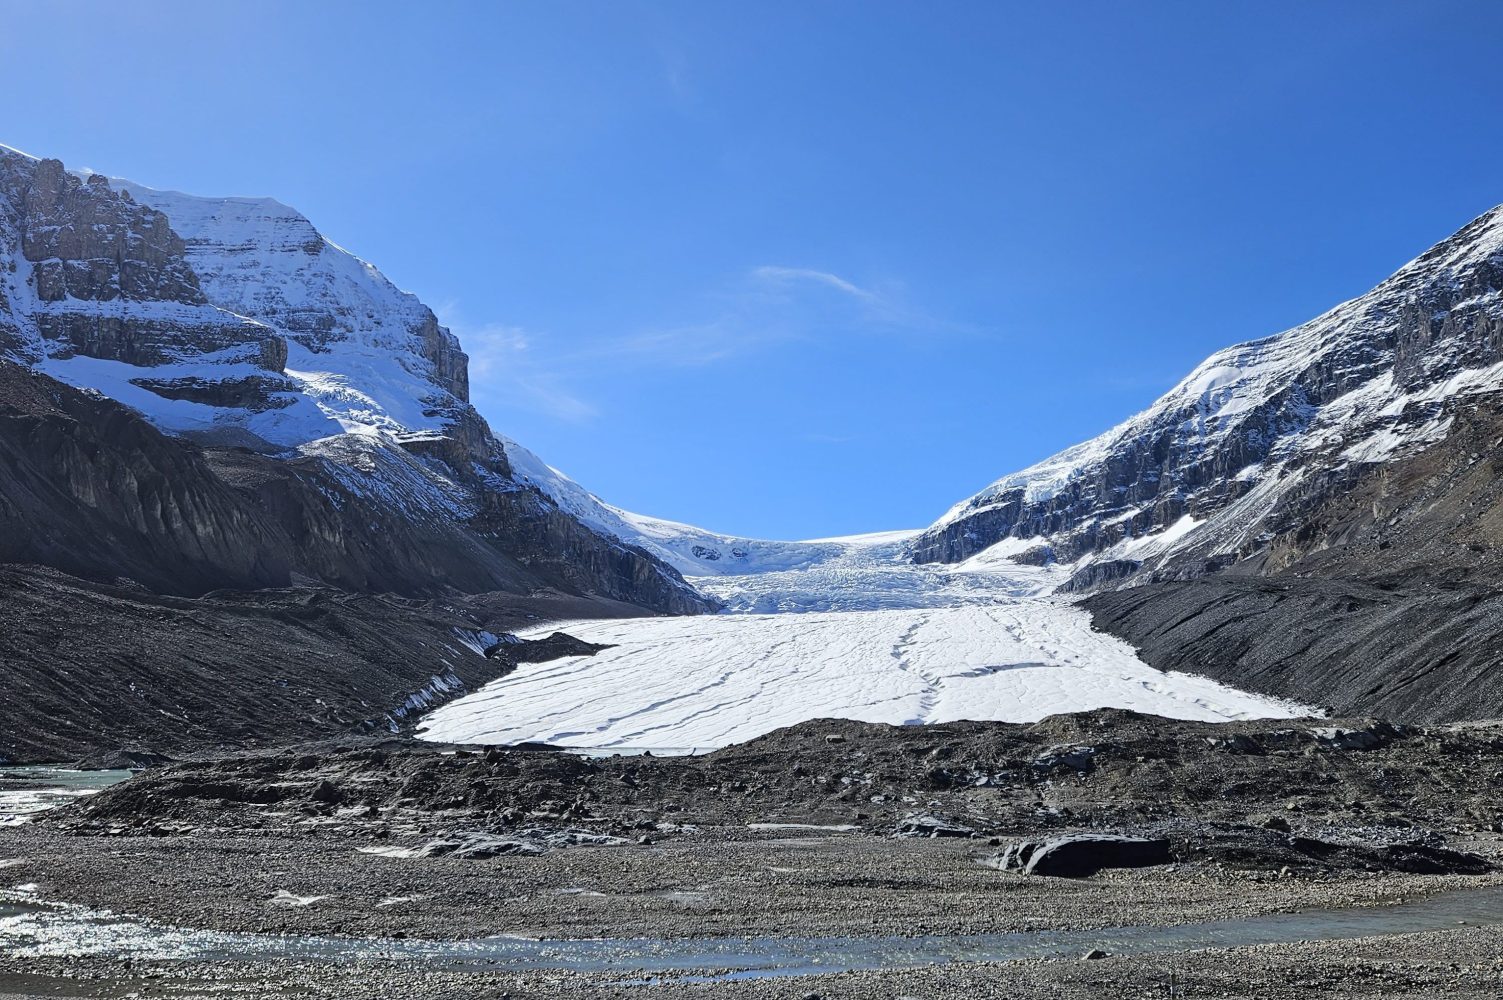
(858, 633)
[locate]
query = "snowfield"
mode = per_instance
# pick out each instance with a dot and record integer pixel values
(857, 633)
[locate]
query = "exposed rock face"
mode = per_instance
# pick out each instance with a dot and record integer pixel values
(1234, 456)
(1382, 598)
(86, 242)
(253, 393)
(88, 271)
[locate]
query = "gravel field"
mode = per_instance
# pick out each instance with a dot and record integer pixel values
(828, 830)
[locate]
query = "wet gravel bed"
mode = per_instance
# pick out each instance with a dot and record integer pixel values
(1462, 964)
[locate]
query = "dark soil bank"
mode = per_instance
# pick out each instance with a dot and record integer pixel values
(1107, 768)
(95, 668)
(1410, 649)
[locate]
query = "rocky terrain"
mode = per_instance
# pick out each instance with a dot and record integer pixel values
(829, 828)
(1383, 600)
(1411, 649)
(1105, 769)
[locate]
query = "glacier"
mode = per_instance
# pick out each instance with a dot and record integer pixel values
(834, 628)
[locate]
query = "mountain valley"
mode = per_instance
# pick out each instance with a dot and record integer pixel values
(396, 707)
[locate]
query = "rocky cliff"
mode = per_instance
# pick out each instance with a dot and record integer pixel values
(86, 271)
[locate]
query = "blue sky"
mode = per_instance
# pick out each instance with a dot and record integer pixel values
(801, 269)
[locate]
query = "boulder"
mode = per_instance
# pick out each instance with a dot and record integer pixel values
(1373, 737)
(1080, 855)
(327, 793)
(1066, 758)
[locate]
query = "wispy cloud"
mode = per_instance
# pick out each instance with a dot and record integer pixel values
(774, 305)
(870, 306)
(787, 275)
(687, 346)
(763, 308)
(494, 348)
(542, 392)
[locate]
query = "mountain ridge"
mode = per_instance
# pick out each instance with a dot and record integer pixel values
(1214, 460)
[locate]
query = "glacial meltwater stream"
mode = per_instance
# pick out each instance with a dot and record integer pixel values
(32, 927)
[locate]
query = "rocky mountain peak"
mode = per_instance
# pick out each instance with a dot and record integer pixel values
(87, 242)
(343, 317)
(1225, 461)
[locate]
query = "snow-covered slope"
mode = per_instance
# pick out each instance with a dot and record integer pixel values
(860, 633)
(1219, 464)
(368, 356)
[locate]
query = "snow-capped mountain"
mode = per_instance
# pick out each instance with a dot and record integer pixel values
(234, 323)
(239, 320)
(1233, 456)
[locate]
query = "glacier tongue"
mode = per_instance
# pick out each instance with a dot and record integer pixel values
(849, 630)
